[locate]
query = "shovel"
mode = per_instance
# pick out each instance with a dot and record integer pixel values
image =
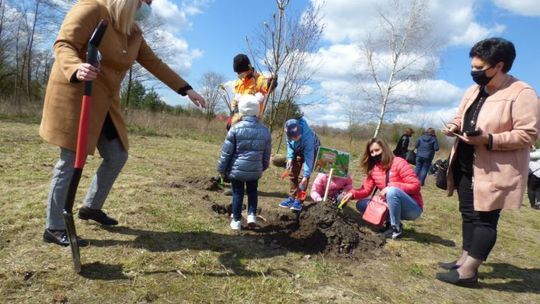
(80, 153)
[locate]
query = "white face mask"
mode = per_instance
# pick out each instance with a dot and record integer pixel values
(143, 12)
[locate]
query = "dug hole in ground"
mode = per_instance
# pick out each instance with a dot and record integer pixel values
(321, 228)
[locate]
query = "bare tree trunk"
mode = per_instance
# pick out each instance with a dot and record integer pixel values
(128, 92)
(17, 65)
(30, 50)
(2, 12)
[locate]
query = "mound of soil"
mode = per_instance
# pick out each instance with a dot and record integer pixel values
(203, 183)
(279, 160)
(319, 228)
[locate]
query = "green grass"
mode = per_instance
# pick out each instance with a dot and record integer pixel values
(171, 248)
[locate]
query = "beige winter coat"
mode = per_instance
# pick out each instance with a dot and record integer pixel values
(62, 104)
(512, 116)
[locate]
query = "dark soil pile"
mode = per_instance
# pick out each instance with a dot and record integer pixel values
(319, 228)
(322, 228)
(202, 183)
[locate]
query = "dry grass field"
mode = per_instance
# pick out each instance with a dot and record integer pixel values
(172, 247)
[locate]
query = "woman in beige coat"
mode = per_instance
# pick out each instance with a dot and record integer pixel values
(122, 44)
(496, 123)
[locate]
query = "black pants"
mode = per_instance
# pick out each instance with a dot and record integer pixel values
(533, 190)
(479, 227)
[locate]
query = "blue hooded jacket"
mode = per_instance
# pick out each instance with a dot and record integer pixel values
(426, 146)
(246, 151)
(305, 146)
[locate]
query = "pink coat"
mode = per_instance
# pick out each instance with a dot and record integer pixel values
(401, 176)
(337, 184)
(512, 116)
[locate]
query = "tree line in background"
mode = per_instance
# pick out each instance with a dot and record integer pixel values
(282, 46)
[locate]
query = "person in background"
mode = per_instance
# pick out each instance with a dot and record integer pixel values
(302, 148)
(402, 146)
(122, 45)
(249, 82)
(245, 155)
(396, 181)
(496, 123)
(338, 187)
(426, 146)
(533, 182)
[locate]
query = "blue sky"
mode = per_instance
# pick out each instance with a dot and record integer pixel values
(211, 32)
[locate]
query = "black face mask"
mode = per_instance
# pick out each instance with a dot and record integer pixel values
(481, 78)
(375, 159)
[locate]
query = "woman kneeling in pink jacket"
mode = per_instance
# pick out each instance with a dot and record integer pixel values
(396, 181)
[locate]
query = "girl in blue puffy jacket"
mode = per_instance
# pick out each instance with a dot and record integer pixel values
(244, 156)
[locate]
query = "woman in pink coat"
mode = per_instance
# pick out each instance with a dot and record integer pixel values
(496, 123)
(338, 185)
(396, 181)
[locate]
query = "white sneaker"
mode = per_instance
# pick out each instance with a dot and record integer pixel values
(252, 219)
(236, 225)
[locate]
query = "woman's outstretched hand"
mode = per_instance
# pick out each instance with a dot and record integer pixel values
(197, 99)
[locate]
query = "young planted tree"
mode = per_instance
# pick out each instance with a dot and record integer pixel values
(284, 46)
(397, 55)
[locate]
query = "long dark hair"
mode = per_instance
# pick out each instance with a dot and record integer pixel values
(386, 158)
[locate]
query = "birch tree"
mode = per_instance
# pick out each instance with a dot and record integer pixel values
(397, 55)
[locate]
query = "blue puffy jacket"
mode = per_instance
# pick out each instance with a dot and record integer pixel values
(426, 146)
(246, 151)
(306, 146)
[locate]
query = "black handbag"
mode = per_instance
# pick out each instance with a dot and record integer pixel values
(441, 175)
(411, 157)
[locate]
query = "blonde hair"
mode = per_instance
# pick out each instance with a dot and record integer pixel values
(123, 14)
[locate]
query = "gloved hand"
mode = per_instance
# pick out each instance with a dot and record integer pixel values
(274, 83)
(303, 184)
(288, 164)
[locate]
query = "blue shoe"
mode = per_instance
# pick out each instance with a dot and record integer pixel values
(296, 206)
(286, 203)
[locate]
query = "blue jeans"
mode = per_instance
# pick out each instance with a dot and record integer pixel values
(114, 157)
(400, 206)
(422, 167)
(238, 197)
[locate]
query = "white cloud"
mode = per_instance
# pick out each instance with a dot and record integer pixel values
(182, 54)
(175, 19)
(427, 118)
(521, 7)
(352, 21)
(434, 99)
(338, 61)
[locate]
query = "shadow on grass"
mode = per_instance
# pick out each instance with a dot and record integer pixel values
(105, 272)
(426, 238)
(408, 234)
(234, 249)
(522, 280)
(273, 194)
